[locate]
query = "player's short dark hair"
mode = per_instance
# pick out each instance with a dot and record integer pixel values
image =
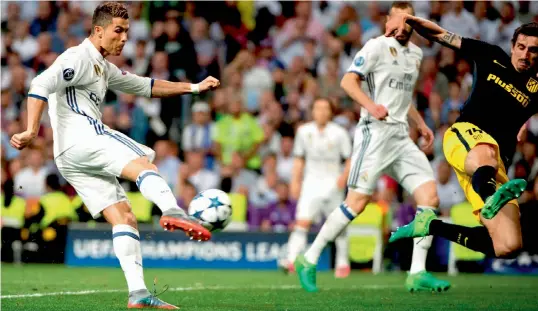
(528, 29)
(105, 12)
(402, 5)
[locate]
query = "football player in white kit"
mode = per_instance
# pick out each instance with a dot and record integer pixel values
(91, 156)
(318, 179)
(390, 67)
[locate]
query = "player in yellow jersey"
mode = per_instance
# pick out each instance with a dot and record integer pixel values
(481, 143)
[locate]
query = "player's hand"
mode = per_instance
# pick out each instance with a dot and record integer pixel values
(379, 112)
(428, 136)
(209, 83)
(22, 140)
(395, 25)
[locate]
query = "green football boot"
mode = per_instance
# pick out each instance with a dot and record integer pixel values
(425, 282)
(307, 274)
(507, 192)
(419, 227)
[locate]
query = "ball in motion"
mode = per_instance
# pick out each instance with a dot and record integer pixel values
(213, 208)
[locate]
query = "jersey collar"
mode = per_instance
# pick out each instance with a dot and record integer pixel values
(93, 51)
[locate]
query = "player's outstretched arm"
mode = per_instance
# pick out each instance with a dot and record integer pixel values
(162, 88)
(35, 107)
(425, 28)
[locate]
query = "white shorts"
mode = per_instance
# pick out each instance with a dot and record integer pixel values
(312, 204)
(383, 148)
(92, 168)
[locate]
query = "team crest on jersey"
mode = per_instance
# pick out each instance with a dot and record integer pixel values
(97, 69)
(393, 51)
(68, 73)
(359, 61)
(532, 85)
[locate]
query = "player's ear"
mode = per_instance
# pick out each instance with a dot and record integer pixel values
(98, 31)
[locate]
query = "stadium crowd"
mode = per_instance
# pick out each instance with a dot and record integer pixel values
(273, 59)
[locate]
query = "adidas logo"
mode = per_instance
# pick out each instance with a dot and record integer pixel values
(395, 63)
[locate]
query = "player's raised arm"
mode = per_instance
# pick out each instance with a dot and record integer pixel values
(425, 28)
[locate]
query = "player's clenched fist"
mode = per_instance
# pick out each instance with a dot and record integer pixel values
(379, 112)
(209, 83)
(21, 140)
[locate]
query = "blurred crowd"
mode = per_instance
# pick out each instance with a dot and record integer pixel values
(273, 59)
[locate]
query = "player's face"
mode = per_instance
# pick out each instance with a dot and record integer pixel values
(322, 112)
(406, 34)
(525, 53)
(115, 36)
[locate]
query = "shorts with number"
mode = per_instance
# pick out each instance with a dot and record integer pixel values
(459, 139)
(385, 148)
(93, 165)
(312, 204)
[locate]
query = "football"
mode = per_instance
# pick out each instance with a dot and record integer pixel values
(213, 208)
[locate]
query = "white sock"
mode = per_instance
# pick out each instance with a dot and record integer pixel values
(335, 223)
(154, 188)
(420, 247)
(342, 249)
(296, 242)
(126, 242)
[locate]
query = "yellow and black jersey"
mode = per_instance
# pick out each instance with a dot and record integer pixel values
(502, 99)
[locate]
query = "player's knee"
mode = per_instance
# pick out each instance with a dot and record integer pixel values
(130, 219)
(509, 248)
(426, 195)
(481, 155)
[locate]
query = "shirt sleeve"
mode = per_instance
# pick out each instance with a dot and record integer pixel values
(129, 83)
(477, 50)
(298, 145)
(366, 59)
(65, 72)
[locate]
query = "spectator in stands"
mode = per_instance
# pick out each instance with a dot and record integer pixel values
(195, 172)
(453, 102)
(280, 215)
(188, 193)
(30, 180)
(238, 133)
(461, 21)
(167, 161)
(448, 189)
(264, 192)
(285, 159)
(236, 178)
(45, 20)
(198, 135)
(24, 44)
(506, 26)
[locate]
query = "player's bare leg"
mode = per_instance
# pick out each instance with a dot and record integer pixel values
(126, 243)
(337, 221)
(419, 279)
(154, 188)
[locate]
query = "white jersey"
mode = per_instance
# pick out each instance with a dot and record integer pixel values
(390, 71)
(323, 152)
(75, 87)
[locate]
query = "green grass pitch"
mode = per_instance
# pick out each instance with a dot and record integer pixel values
(57, 288)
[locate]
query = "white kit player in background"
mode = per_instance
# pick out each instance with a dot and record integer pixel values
(319, 179)
(382, 145)
(91, 156)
